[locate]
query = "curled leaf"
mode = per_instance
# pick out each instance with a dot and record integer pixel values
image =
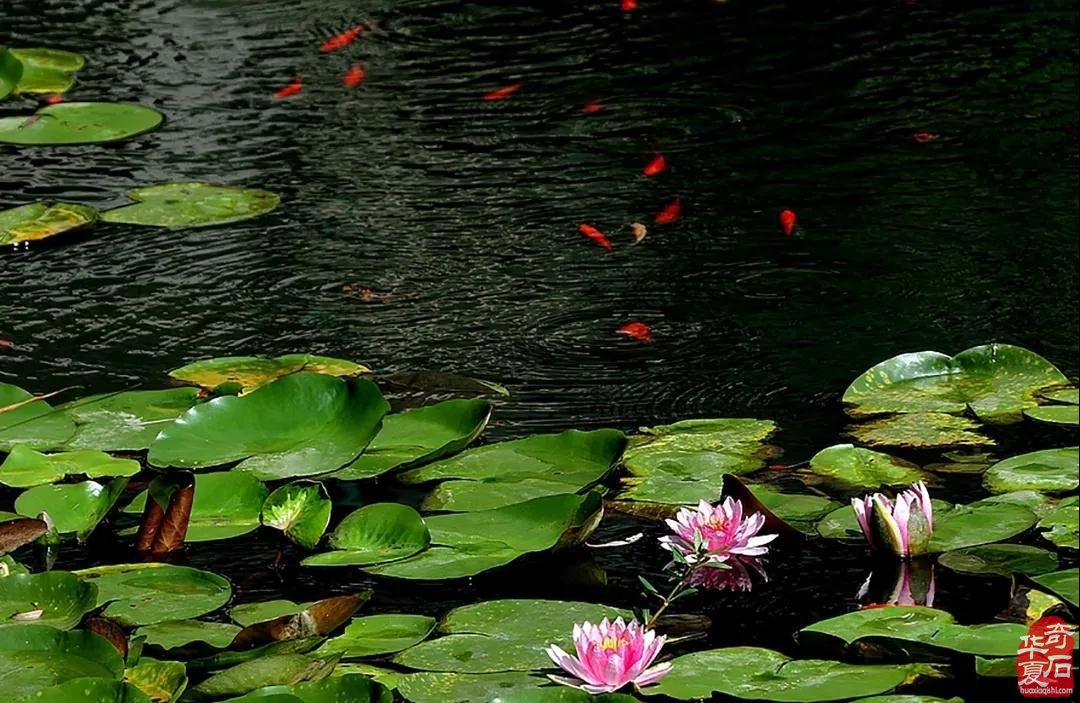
(15, 533)
(318, 619)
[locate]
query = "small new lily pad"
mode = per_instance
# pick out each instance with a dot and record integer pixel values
(1048, 471)
(25, 467)
(79, 123)
(854, 467)
(385, 633)
(145, 594)
(192, 204)
(301, 510)
(73, 507)
(37, 221)
(920, 431)
(46, 70)
(56, 598)
(226, 504)
(375, 533)
(126, 421)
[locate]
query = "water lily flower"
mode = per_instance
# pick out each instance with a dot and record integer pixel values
(739, 576)
(609, 656)
(902, 526)
(716, 532)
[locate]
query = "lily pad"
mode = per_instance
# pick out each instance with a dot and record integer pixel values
(375, 533)
(385, 633)
(801, 510)
(126, 421)
(920, 431)
(1064, 584)
(160, 681)
(927, 626)
(25, 467)
(301, 510)
(56, 598)
(1055, 414)
(93, 689)
(244, 374)
(271, 670)
(37, 221)
(171, 634)
(995, 381)
(503, 635)
(299, 425)
(73, 507)
(762, 674)
(145, 594)
(1048, 471)
(1061, 525)
(420, 436)
(46, 70)
(192, 205)
(226, 505)
(349, 688)
(1000, 559)
(561, 694)
(852, 467)
(449, 687)
(79, 123)
(10, 72)
(686, 461)
(33, 657)
(560, 463)
(250, 613)
(34, 423)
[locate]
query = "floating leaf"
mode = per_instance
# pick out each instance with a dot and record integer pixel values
(127, 421)
(560, 694)
(920, 431)
(17, 531)
(301, 510)
(46, 70)
(171, 634)
(419, 436)
(1000, 559)
(246, 373)
(1064, 584)
(37, 221)
(447, 687)
(60, 596)
(226, 505)
(33, 657)
(191, 205)
(79, 123)
(250, 613)
(348, 688)
(1062, 524)
(762, 674)
(1055, 414)
(318, 619)
(73, 507)
(995, 381)
(93, 689)
(25, 467)
(503, 635)
(800, 510)
(145, 594)
(1049, 471)
(385, 633)
(854, 467)
(271, 670)
(373, 534)
(161, 681)
(298, 425)
(10, 72)
(35, 424)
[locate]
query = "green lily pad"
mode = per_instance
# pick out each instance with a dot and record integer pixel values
(270, 670)
(25, 467)
(1069, 395)
(93, 689)
(191, 205)
(385, 633)
(46, 70)
(503, 635)
(79, 123)
(56, 598)
(419, 436)
(33, 657)
(560, 694)
(37, 221)
(348, 688)
(449, 687)
(912, 699)
(1000, 559)
(12, 567)
(301, 510)
(299, 425)
(686, 461)
(1048, 471)
(1063, 584)
(800, 510)
(127, 421)
(246, 373)
(36, 424)
(927, 626)
(561, 463)
(762, 674)
(466, 544)
(994, 381)
(1061, 525)
(160, 681)
(373, 534)
(171, 634)
(920, 431)
(73, 507)
(226, 504)
(10, 72)
(250, 613)
(851, 467)
(996, 667)
(1055, 414)
(145, 594)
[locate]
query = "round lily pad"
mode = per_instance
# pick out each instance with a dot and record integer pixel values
(34, 423)
(920, 431)
(226, 504)
(301, 510)
(37, 221)
(33, 657)
(1055, 414)
(46, 70)
(1000, 559)
(244, 374)
(191, 205)
(385, 633)
(854, 467)
(144, 594)
(374, 533)
(1048, 470)
(93, 689)
(127, 421)
(73, 507)
(56, 598)
(79, 123)
(440, 686)
(26, 467)
(346, 688)
(178, 633)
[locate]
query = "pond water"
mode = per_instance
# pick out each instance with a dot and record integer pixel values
(465, 212)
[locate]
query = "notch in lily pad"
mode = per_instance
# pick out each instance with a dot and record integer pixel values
(192, 204)
(79, 123)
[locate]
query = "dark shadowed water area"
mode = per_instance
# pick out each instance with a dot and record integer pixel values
(466, 212)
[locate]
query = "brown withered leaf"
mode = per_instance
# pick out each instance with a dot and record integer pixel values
(318, 619)
(152, 517)
(110, 630)
(24, 530)
(163, 530)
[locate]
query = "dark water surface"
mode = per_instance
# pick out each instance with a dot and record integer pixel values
(467, 212)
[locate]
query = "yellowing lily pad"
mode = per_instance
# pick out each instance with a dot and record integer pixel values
(47, 70)
(37, 221)
(246, 373)
(920, 431)
(79, 123)
(192, 204)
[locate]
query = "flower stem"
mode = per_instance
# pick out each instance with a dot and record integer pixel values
(675, 592)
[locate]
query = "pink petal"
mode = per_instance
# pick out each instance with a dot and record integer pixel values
(651, 676)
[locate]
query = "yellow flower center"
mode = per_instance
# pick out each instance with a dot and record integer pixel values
(612, 644)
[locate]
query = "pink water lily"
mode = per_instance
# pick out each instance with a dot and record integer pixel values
(716, 532)
(609, 656)
(903, 526)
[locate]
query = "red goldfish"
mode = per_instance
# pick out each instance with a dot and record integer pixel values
(655, 167)
(592, 107)
(637, 331)
(923, 137)
(596, 236)
(628, 5)
(288, 91)
(671, 212)
(787, 222)
(340, 41)
(502, 93)
(353, 77)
